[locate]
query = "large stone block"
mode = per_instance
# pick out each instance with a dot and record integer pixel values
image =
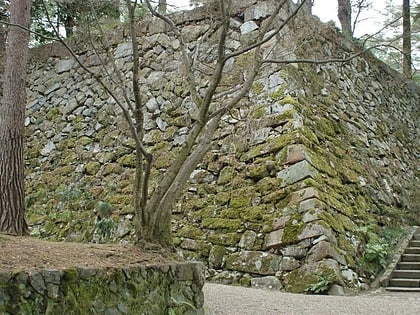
(255, 262)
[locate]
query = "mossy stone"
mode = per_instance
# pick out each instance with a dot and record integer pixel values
(225, 239)
(92, 168)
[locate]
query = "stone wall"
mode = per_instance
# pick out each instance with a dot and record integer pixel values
(165, 289)
(316, 154)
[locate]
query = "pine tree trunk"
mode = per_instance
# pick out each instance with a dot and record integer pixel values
(406, 58)
(12, 117)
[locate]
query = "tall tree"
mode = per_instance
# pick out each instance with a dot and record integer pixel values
(12, 117)
(344, 15)
(406, 56)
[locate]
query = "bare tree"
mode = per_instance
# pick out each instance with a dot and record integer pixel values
(12, 117)
(406, 56)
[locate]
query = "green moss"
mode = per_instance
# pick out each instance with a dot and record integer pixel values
(71, 274)
(257, 171)
(259, 112)
(225, 239)
(190, 232)
(222, 224)
(53, 112)
(226, 175)
(253, 214)
(288, 100)
(230, 213)
(222, 198)
(279, 93)
(268, 185)
(274, 145)
(257, 88)
(332, 222)
(112, 168)
(293, 229)
(127, 160)
(82, 141)
(92, 168)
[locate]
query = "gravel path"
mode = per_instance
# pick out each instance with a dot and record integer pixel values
(231, 300)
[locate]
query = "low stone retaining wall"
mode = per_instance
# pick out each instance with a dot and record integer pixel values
(156, 290)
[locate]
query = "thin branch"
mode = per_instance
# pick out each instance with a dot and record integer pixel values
(126, 113)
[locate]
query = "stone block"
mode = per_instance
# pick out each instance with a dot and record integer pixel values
(281, 222)
(296, 173)
(302, 195)
(275, 239)
(316, 230)
(64, 65)
(216, 256)
(296, 153)
(324, 250)
(248, 239)
(309, 204)
(254, 262)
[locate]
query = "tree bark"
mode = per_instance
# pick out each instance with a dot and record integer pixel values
(12, 117)
(344, 15)
(406, 58)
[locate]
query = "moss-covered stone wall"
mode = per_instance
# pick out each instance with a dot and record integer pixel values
(165, 289)
(316, 155)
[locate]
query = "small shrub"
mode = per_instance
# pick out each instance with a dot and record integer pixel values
(321, 285)
(378, 249)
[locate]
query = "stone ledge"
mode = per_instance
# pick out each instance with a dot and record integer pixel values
(137, 289)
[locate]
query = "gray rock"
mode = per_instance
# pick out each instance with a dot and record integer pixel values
(48, 148)
(52, 276)
(37, 282)
(289, 263)
(162, 125)
(276, 108)
(295, 251)
(336, 289)
(269, 283)
(69, 107)
(248, 27)
(123, 50)
(64, 65)
(52, 88)
(259, 10)
(152, 105)
(248, 239)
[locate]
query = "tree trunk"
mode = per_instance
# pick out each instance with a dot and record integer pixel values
(406, 58)
(12, 116)
(162, 7)
(344, 15)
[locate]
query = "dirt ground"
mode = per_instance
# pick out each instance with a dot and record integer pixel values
(27, 253)
(232, 300)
